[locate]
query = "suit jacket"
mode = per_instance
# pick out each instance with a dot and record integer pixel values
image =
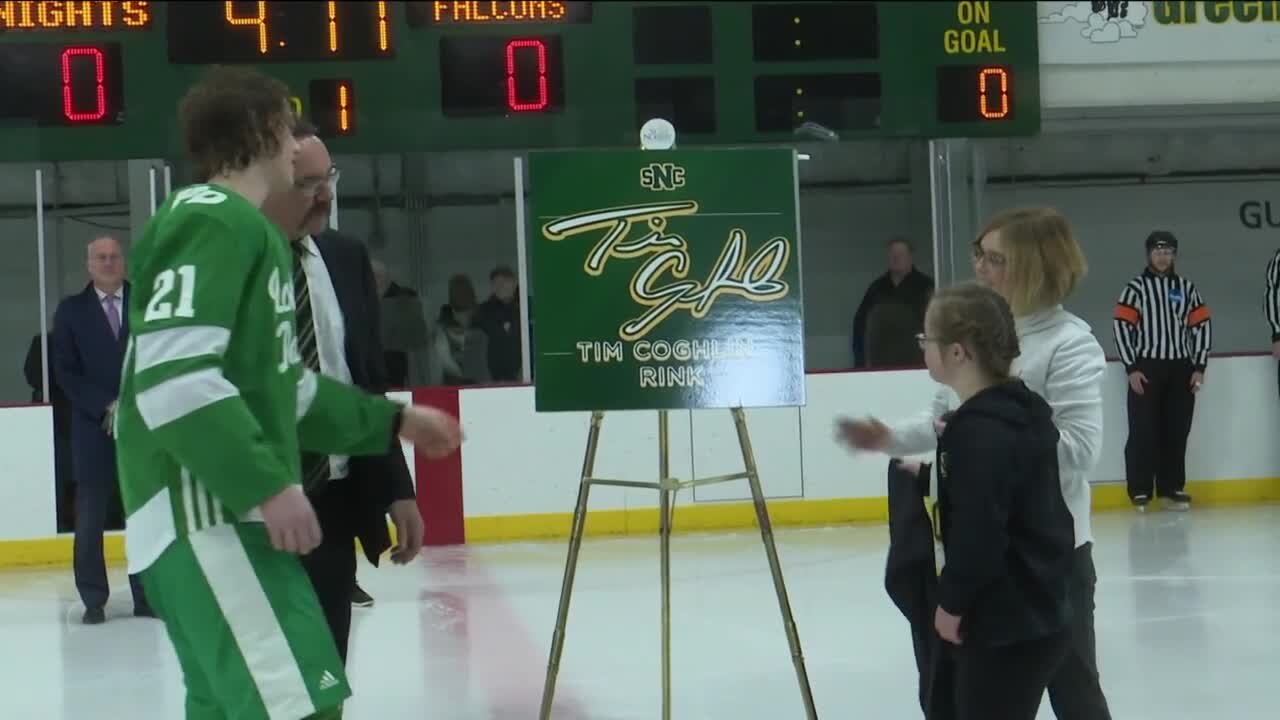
(373, 482)
(34, 373)
(86, 362)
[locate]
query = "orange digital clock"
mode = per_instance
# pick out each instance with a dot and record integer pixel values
(203, 33)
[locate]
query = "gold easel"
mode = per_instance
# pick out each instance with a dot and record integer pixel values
(667, 487)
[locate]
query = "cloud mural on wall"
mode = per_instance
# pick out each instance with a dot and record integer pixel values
(1104, 22)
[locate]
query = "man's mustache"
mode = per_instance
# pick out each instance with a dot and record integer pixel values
(317, 210)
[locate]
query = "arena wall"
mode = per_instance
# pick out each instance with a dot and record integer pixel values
(516, 477)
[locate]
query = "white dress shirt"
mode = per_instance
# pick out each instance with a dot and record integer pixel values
(1062, 362)
(331, 332)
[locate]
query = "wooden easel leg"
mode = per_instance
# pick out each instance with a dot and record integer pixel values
(664, 551)
(571, 565)
(775, 567)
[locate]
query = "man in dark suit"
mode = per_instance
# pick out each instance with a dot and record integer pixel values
(339, 336)
(90, 331)
(33, 370)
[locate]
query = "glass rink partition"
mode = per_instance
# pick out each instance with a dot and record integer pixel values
(425, 104)
(429, 217)
(434, 197)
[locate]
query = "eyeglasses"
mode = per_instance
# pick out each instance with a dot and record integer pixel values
(312, 185)
(923, 340)
(994, 259)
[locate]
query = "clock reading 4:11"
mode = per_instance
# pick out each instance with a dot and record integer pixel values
(222, 32)
(258, 20)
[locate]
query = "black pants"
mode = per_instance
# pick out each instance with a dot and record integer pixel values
(332, 566)
(98, 506)
(1005, 683)
(1075, 691)
(936, 666)
(1159, 423)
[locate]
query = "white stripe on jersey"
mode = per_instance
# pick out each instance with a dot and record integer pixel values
(203, 514)
(154, 526)
(149, 531)
(253, 623)
(188, 501)
(216, 516)
(180, 343)
(178, 397)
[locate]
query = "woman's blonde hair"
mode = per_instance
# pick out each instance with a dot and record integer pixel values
(980, 319)
(1044, 263)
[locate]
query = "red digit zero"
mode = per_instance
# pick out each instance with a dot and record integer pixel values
(69, 109)
(999, 77)
(514, 102)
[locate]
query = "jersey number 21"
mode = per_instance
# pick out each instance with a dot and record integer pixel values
(160, 307)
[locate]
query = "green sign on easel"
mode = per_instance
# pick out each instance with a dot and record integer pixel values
(665, 280)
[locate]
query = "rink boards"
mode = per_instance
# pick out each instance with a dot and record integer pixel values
(517, 475)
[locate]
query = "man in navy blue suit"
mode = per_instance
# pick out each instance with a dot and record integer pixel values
(90, 332)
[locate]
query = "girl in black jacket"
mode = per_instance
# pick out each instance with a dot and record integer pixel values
(1006, 533)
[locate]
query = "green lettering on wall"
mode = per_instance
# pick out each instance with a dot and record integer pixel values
(1217, 11)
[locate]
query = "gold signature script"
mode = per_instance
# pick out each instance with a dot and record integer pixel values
(757, 278)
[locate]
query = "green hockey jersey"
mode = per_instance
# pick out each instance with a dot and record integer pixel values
(215, 402)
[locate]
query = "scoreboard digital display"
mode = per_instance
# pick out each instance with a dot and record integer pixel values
(92, 80)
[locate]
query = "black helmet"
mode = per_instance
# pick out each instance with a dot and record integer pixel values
(1160, 239)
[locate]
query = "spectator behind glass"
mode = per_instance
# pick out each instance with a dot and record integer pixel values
(499, 318)
(405, 336)
(461, 348)
(891, 313)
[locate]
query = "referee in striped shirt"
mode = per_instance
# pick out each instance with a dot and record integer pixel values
(1163, 333)
(1272, 303)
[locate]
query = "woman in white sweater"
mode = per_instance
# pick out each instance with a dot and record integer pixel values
(1032, 259)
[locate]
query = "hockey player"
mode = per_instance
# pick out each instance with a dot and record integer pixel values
(214, 406)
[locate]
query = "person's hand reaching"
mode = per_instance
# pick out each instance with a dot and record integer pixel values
(432, 432)
(869, 434)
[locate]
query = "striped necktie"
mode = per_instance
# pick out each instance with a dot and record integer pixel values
(315, 467)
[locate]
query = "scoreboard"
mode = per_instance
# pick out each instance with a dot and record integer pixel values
(88, 80)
